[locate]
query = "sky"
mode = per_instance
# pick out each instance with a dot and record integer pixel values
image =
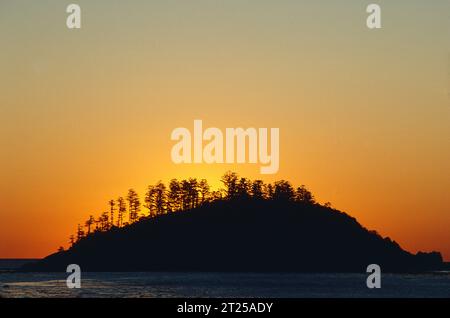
(364, 115)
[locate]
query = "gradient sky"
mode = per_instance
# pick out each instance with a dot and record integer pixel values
(364, 116)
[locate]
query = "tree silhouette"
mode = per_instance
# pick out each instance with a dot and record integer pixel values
(150, 202)
(304, 195)
(112, 208)
(80, 233)
(89, 223)
(203, 187)
(269, 191)
(283, 191)
(134, 205)
(104, 221)
(98, 223)
(185, 195)
(174, 196)
(193, 193)
(189, 194)
(257, 189)
(243, 188)
(156, 199)
(229, 180)
(121, 209)
(72, 240)
(160, 200)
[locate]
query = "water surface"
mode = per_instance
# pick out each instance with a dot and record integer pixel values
(160, 284)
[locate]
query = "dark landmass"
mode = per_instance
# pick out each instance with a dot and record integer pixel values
(245, 235)
(14, 263)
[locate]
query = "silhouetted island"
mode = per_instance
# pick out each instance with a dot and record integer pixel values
(251, 227)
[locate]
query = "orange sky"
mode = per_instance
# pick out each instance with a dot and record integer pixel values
(86, 114)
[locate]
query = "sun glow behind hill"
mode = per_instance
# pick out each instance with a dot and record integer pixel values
(85, 116)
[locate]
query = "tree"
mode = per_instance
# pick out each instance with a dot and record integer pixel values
(257, 189)
(149, 200)
(302, 194)
(104, 221)
(174, 196)
(243, 188)
(134, 205)
(98, 223)
(268, 191)
(80, 233)
(193, 193)
(283, 190)
(156, 199)
(185, 195)
(121, 209)
(189, 194)
(89, 223)
(112, 208)
(203, 187)
(72, 240)
(160, 198)
(229, 180)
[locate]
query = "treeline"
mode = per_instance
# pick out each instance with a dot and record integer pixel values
(185, 195)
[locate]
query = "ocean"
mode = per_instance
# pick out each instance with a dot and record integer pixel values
(217, 285)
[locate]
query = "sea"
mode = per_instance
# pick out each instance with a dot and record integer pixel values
(218, 285)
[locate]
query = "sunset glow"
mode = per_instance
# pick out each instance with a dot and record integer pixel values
(364, 117)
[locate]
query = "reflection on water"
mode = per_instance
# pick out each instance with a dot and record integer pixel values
(222, 285)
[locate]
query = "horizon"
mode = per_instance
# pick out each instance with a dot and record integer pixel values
(363, 115)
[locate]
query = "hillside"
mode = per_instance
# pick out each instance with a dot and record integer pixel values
(241, 235)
